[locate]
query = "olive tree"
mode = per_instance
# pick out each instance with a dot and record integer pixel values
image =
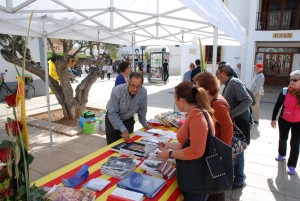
(12, 48)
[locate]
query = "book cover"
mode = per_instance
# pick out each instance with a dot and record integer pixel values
(142, 183)
(118, 146)
(115, 162)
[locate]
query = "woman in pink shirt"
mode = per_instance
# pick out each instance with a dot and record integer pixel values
(189, 98)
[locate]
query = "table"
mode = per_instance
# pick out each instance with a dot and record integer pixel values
(94, 161)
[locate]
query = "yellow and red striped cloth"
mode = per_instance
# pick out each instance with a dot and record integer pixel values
(94, 160)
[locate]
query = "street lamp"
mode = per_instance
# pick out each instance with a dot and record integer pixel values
(136, 60)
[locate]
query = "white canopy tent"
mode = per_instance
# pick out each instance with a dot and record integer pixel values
(151, 22)
(125, 22)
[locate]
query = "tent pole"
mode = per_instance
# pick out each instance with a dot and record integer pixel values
(44, 54)
(132, 52)
(215, 47)
(111, 15)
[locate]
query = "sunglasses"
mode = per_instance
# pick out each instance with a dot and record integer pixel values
(294, 80)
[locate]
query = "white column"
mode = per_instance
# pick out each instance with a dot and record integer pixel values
(249, 56)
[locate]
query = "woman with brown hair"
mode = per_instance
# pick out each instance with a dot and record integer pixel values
(223, 124)
(189, 98)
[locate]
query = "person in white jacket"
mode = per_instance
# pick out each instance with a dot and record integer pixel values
(257, 88)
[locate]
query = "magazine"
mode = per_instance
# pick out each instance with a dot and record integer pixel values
(142, 183)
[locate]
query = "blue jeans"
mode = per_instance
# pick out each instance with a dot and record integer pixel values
(194, 197)
(238, 163)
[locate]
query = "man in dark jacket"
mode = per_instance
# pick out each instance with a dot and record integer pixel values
(196, 70)
(239, 101)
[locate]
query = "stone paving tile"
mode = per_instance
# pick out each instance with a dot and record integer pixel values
(276, 185)
(44, 165)
(256, 194)
(80, 148)
(292, 189)
(62, 155)
(34, 175)
(289, 198)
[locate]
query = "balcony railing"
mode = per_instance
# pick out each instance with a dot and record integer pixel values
(277, 20)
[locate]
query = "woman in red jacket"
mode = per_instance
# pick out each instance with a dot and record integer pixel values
(289, 119)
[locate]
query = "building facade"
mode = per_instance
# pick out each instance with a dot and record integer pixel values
(273, 38)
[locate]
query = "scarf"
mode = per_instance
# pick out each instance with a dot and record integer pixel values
(295, 92)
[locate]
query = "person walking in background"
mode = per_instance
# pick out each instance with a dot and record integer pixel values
(187, 74)
(189, 98)
(109, 71)
(165, 71)
(126, 100)
(196, 70)
(239, 101)
(125, 70)
(289, 119)
(257, 88)
(221, 112)
(237, 70)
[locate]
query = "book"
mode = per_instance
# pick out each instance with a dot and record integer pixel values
(96, 184)
(120, 194)
(142, 183)
(59, 193)
(118, 167)
(118, 146)
(167, 170)
(137, 149)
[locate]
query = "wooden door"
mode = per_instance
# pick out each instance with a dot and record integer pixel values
(277, 68)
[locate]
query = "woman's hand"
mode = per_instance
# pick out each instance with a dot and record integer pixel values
(165, 145)
(163, 153)
(273, 124)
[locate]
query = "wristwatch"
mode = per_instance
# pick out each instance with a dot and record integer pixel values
(170, 154)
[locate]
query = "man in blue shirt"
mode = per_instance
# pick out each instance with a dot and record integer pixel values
(126, 100)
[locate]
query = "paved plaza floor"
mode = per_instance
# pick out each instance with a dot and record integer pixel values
(266, 179)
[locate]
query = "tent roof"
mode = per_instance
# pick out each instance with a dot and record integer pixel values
(147, 22)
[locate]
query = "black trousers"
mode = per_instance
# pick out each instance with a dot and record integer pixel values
(284, 129)
(113, 135)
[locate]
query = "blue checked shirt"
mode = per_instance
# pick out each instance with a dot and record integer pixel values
(122, 106)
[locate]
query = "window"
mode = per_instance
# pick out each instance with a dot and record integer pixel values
(209, 54)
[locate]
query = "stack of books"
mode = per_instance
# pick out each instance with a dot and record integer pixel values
(142, 183)
(118, 167)
(158, 168)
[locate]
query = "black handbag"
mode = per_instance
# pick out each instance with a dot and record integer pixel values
(212, 173)
(239, 141)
